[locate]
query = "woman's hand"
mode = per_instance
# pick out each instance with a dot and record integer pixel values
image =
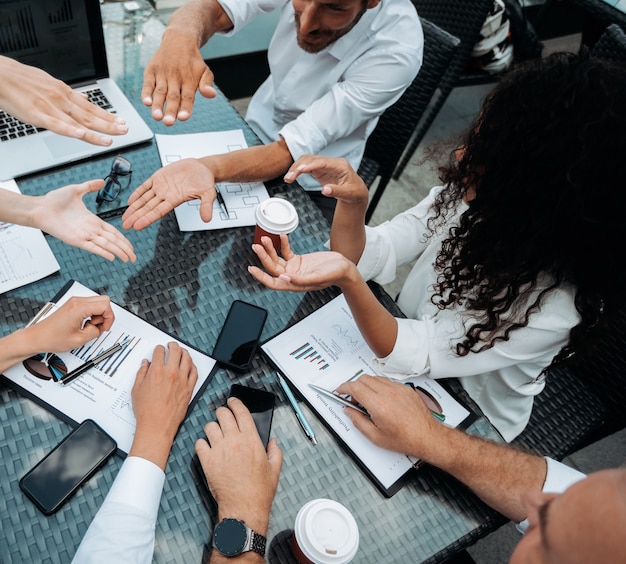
(298, 273)
(63, 214)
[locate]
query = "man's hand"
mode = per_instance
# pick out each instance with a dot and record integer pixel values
(33, 96)
(172, 77)
(242, 476)
(337, 177)
(298, 273)
(63, 214)
(167, 188)
(399, 419)
(161, 395)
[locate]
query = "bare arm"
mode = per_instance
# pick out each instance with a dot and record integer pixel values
(314, 271)
(61, 331)
(191, 179)
(400, 421)
(177, 69)
(63, 214)
(340, 181)
(33, 96)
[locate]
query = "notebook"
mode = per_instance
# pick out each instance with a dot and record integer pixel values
(66, 39)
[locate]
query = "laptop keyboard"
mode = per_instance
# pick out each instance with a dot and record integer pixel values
(12, 128)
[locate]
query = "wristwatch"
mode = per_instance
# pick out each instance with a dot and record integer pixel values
(232, 537)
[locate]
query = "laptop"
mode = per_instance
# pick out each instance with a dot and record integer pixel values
(66, 39)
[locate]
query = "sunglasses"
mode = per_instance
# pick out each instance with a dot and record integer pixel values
(116, 181)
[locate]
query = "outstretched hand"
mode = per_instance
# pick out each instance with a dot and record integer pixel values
(337, 177)
(172, 77)
(33, 96)
(63, 214)
(298, 273)
(167, 188)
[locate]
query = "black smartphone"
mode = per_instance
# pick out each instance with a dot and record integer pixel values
(55, 478)
(261, 406)
(240, 334)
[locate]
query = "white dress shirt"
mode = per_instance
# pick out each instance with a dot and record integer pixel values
(123, 528)
(559, 477)
(503, 379)
(329, 102)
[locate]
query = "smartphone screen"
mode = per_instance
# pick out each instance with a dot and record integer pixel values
(54, 479)
(240, 335)
(261, 406)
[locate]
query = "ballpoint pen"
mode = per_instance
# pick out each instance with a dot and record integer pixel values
(306, 426)
(338, 399)
(221, 201)
(70, 376)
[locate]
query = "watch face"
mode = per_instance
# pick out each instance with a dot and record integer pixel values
(230, 537)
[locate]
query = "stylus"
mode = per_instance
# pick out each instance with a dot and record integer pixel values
(306, 426)
(221, 201)
(92, 362)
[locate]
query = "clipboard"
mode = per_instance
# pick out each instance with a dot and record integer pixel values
(103, 392)
(327, 346)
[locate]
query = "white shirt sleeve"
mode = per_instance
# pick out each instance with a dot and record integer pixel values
(123, 528)
(559, 477)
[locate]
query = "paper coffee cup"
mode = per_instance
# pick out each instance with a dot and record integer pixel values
(325, 532)
(273, 217)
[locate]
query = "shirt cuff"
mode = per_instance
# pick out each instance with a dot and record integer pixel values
(139, 484)
(410, 352)
(559, 477)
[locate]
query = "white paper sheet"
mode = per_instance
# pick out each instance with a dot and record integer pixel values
(241, 199)
(103, 393)
(25, 255)
(327, 349)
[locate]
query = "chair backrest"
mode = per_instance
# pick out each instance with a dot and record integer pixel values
(463, 19)
(395, 127)
(611, 45)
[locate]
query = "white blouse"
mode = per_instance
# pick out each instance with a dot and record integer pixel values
(503, 379)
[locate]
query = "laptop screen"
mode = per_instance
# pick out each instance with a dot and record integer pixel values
(63, 37)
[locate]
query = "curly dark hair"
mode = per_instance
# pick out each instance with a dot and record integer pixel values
(541, 167)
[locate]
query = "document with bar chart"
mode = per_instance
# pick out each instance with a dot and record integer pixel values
(102, 393)
(326, 349)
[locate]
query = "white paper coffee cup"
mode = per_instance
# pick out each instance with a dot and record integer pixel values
(273, 217)
(325, 532)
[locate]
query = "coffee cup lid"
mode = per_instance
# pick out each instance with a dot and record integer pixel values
(326, 532)
(276, 215)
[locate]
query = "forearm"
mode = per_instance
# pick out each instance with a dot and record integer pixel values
(347, 234)
(254, 164)
(198, 19)
(17, 208)
(378, 327)
(498, 474)
(16, 347)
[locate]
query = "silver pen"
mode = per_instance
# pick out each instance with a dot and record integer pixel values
(306, 426)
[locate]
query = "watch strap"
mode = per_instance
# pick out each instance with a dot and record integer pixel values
(257, 543)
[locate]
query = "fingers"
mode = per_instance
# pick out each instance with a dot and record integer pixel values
(275, 457)
(207, 197)
(141, 374)
(149, 82)
(206, 84)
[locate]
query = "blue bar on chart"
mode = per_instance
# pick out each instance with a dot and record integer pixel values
(308, 352)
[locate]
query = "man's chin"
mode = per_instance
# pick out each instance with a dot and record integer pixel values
(311, 47)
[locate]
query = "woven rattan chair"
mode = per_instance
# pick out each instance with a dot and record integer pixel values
(611, 45)
(388, 141)
(463, 19)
